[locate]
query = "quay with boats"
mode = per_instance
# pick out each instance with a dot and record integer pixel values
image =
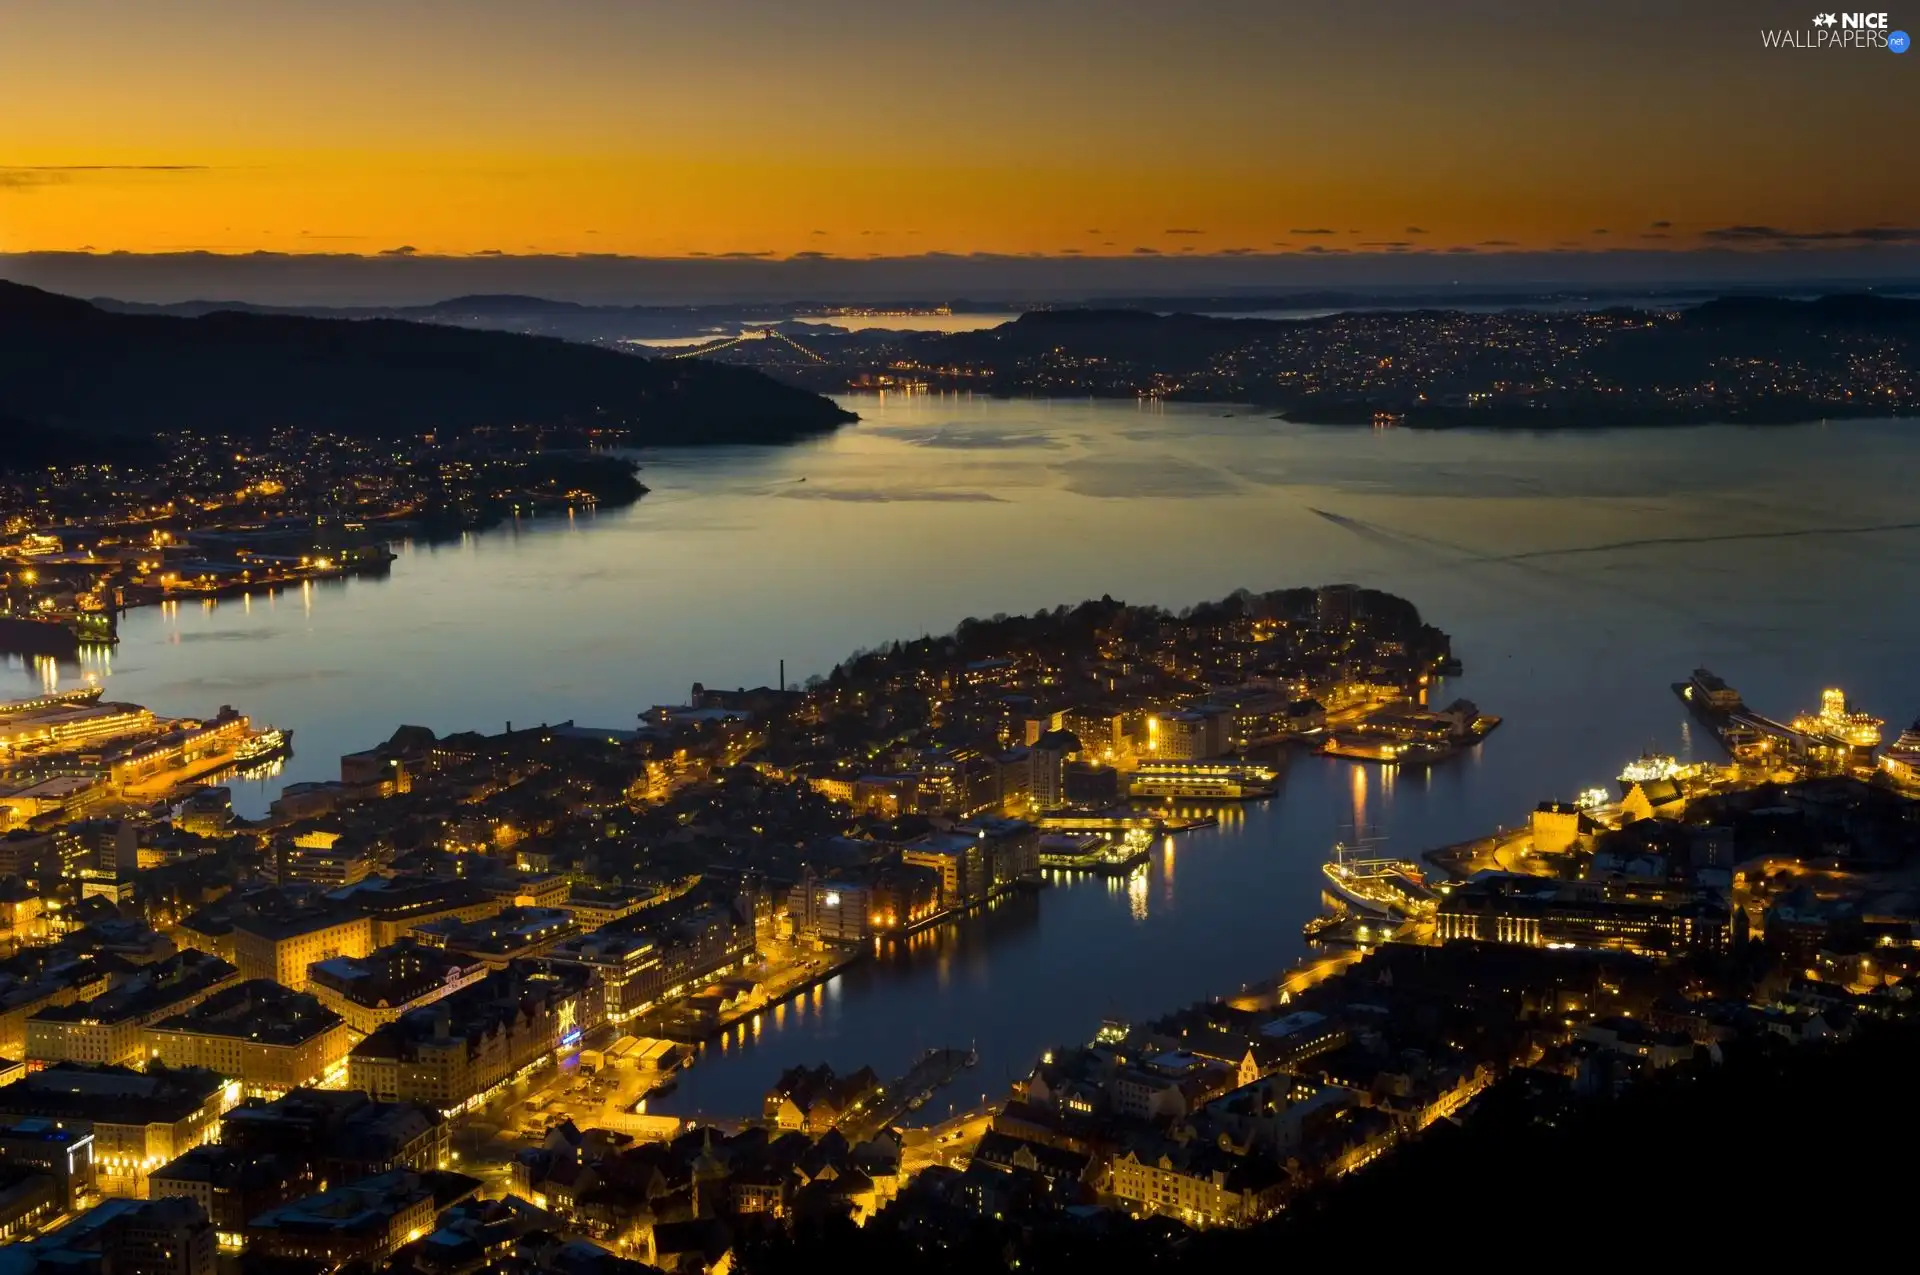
(1096, 852)
(67, 754)
(56, 633)
(933, 1070)
(268, 745)
(1202, 780)
(1379, 887)
(1833, 739)
(1403, 736)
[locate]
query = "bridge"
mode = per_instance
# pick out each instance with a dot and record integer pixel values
(749, 336)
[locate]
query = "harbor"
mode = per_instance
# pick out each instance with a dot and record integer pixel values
(895, 1101)
(1095, 852)
(1402, 735)
(1833, 739)
(1386, 889)
(69, 754)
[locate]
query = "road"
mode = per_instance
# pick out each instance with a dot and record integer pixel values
(789, 969)
(516, 1118)
(1510, 850)
(949, 1143)
(1276, 992)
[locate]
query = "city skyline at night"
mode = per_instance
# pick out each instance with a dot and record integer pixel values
(732, 637)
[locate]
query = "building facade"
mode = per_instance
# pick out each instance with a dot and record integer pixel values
(269, 1039)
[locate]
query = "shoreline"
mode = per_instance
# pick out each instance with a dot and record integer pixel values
(1485, 419)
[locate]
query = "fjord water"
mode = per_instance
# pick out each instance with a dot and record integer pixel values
(1579, 574)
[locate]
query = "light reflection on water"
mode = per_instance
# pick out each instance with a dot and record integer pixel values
(1579, 574)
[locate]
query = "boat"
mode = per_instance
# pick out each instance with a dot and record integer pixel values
(265, 746)
(1708, 694)
(1321, 925)
(1378, 887)
(88, 694)
(1901, 761)
(1648, 768)
(1352, 930)
(1837, 724)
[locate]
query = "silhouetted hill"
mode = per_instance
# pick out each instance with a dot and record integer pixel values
(1853, 309)
(72, 366)
(1744, 359)
(495, 303)
(26, 447)
(1109, 334)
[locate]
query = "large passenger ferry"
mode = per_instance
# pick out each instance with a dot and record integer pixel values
(1901, 761)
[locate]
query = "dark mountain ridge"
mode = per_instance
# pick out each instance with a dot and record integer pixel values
(68, 365)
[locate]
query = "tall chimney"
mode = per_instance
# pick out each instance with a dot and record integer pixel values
(783, 676)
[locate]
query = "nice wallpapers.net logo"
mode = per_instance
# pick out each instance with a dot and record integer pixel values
(1839, 31)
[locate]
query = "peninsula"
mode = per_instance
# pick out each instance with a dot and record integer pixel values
(69, 367)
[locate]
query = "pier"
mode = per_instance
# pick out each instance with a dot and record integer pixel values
(935, 1069)
(1834, 739)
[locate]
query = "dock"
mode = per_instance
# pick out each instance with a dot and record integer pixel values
(1833, 739)
(1094, 852)
(936, 1068)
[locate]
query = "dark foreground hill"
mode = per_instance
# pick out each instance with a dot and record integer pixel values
(72, 368)
(1781, 1145)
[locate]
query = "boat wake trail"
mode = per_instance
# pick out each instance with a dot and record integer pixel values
(1649, 542)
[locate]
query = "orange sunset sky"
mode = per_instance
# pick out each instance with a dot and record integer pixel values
(855, 128)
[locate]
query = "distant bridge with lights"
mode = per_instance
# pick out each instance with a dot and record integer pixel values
(750, 336)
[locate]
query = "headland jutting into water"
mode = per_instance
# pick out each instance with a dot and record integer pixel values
(456, 915)
(674, 876)
(152, 458)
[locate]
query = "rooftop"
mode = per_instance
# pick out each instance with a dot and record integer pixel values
(111, 1095)
(352, 1208)
(259, 1010)
(150, 991)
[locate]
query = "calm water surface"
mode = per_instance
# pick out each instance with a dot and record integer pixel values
(1578, 574)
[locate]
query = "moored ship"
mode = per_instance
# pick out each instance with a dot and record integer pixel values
(1379, 887)
(1648, 768)
(266, 746)
(1708, 694)
(1901, 761)
(88, 694)
(1838, 724)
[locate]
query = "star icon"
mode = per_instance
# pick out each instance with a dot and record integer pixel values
(1824, 19)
